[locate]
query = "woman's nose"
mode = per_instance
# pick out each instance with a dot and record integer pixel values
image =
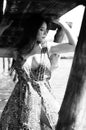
(45, 32)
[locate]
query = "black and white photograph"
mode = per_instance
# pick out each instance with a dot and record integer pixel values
(42, 65)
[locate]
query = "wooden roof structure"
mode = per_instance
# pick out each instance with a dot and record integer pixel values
(17, 9)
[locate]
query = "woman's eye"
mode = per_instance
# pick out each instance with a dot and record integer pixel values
(41, 29)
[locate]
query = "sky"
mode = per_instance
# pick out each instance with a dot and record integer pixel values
(75, 16)
(4, 5)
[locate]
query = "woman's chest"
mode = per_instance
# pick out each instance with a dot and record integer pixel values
(35, 60)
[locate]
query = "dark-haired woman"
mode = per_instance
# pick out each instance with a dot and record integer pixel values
(31, 105)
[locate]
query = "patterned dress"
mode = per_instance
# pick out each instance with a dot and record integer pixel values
(31, 94)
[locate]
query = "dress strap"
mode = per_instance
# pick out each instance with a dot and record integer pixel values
(45, 50)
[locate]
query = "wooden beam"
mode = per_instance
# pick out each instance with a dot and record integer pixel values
(72, 115)
(7, 52)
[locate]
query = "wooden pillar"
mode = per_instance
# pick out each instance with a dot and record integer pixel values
(72, 115)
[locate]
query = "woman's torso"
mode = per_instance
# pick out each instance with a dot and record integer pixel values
(39, 64)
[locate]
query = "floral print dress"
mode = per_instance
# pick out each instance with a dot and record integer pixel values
(32, 92)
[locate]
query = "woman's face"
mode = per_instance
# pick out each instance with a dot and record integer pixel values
(42, 32)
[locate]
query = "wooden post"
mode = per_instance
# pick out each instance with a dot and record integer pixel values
(72, 115)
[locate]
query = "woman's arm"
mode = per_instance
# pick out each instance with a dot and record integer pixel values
(61, 48)
(70, 34)
(64, 47)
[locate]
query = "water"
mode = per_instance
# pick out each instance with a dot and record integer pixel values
(59, 78)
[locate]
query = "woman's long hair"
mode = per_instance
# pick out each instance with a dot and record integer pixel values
(31, 23)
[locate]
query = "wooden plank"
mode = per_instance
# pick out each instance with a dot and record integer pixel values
(72, 115)
(7, 52)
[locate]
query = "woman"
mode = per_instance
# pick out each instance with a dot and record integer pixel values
(31, 105)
